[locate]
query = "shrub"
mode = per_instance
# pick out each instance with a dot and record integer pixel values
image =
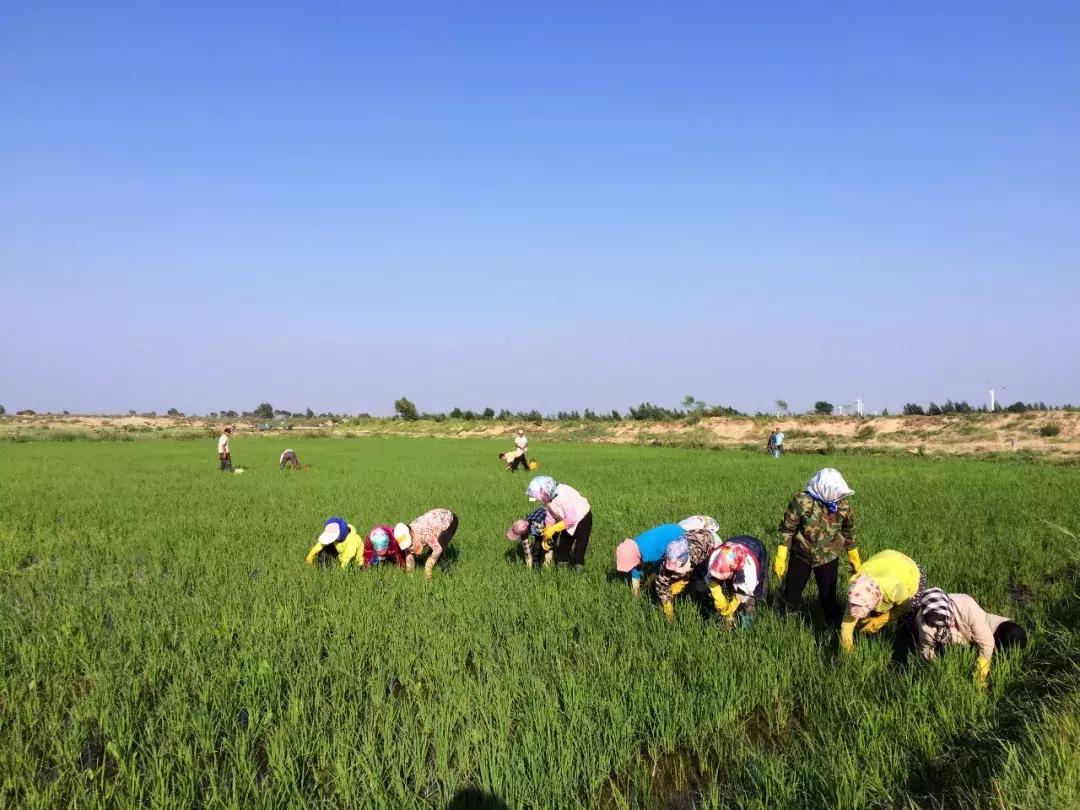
(866, 432)
(1050, 429)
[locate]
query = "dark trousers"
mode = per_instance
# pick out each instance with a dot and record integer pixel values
(289, 460)
(520, 461)
(226, 462)
(798, 574)
(572, 547)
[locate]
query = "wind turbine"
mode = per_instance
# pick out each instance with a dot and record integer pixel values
(993, 391)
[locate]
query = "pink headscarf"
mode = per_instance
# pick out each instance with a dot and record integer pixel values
(627, 556)
(726, 560)
(863, 596)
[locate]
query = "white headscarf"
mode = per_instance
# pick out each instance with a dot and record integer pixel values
(829, 487)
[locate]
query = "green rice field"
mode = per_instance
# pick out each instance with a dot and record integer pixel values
(163, 645)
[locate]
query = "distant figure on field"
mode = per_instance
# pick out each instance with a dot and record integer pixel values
(889, 585)
(223, 454)
(514, 459)
(521, 442)
(956, 618)
(379, 547)
(339, 542)
(648, 548)
(529, 533)
(777, 443)
(432, 530)
(571, 514)
(819, 524)
(770, 445)
(288, 459)
(682, 559)
(741, 566)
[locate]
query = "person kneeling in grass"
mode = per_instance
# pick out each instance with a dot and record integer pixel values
(956, 618)
(742, 564)
(682, 558)
(339, 542)
(432, 530)
(378, 548)
(889, 585)
(648, 548)
(528, 532)
(571, 514)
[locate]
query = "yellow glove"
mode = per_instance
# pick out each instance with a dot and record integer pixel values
(669, 612)
(874, 623)
(982, 672)
(732, 606)
(720, 601)
(847, 633)
(780, 563)
(855, 560)
(553, 529)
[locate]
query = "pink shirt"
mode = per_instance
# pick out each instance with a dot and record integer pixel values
(569, 506)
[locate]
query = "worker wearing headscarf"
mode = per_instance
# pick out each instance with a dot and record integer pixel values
(682, 558)
(339, 542)
(571, 514)
(648, 548)
(817, 527)
(889, 586)
(702, 522)
(956, 618)
(380, 547)
(431, 530)
(527, 532)
(740, 566)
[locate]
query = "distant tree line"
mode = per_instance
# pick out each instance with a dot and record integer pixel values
(692, 408)
(949, 408)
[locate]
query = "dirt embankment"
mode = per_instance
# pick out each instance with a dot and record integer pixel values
(1055, 433)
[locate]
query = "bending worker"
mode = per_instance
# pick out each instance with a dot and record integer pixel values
(432, 530)
(741, 564)
(528, 532)
(889, 586)
(571, 515)
(645, 549)
(819, 524)
(378, 547)
(338, 542)
(681, 559)
(288, 459)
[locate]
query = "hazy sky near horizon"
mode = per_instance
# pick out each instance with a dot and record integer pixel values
(330, 205)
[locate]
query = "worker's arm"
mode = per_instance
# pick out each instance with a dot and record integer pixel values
(874, 623)
(847, 632)
(313, 554)
(788, 526)
(553, 529)
(854, 559)
(410, 561)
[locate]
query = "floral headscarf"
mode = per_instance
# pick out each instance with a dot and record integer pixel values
(677, 556)
(542, 488)
(726, 560)
(380, 540)
(863, 596)
(828, 488)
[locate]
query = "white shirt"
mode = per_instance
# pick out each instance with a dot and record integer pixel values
(223, 444)
(281, 458)
(521, 442)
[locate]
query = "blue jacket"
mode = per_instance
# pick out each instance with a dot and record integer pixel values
(654, 542)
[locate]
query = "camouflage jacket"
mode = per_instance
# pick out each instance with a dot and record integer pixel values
(701, 542)
(815, 535)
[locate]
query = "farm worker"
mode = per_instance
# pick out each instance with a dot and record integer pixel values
(702, 522)
(528, 531)
(646, 549)
(956, 618)
(338, 541)
(223, 454)
(778, 443)
(889, 585)
(288, 459)
(681, 558)
(433, 530)
(521, 442)
(571, 514)
(741, 563)
(514, 459)
(818, 525)
(379, 548)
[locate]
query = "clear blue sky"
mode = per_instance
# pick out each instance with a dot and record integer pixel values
(576, 205)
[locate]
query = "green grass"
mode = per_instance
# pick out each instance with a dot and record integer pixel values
(163, 644)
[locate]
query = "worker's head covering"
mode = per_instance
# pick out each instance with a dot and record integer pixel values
(677, 556)
(335, 529)
(542, 488)
(518, 529)
(727, 559)
(863, 596)
(380, 540)
(700, 522)
(937, 613)
(828, 488)
(627, 556)
(403, 536)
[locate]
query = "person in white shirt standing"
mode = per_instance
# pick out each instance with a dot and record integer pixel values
(223, 454)
(522, 444)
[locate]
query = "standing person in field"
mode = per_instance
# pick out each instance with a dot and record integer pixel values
(528, 532)
(889, 585)
(648, 548)
(682, 558)
(432, 530)
(379, 548)
(819, 524)
(223, 453)
(742, 565)
(770, 445)
(288, 459)
(571, 518)
(339, 542)
(522, 444)
(955, 618)
(778, 443)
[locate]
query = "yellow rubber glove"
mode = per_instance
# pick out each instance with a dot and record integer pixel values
(635, 586)
(874, 623)
(855, 560)
(847, 633)
(732, 606)
(553, 529)
(982, 672)
(669, 612)
(313, 554)
(720, 602)
(780, 563)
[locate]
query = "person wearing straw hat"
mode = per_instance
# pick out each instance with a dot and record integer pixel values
(528, 532)
(741, 565)
(432, 530)
(817, 527)
(647, 549)
(572, 516)
(339, 542)
(682, 558)
(379, 547)
(890, 585)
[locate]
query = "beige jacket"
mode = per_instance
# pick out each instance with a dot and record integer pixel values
(973, 626)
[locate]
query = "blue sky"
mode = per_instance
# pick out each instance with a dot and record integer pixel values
(564, 206)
